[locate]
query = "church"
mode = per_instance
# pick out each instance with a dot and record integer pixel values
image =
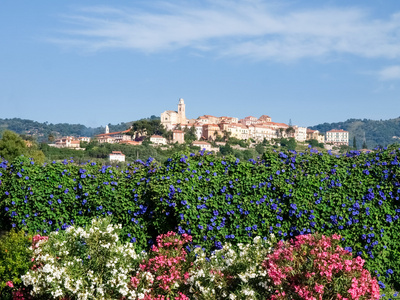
(170, 118)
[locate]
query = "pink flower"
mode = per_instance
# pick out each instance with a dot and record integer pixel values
(319, 288)
(10, 284)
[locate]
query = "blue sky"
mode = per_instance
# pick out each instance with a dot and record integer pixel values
(100, 62)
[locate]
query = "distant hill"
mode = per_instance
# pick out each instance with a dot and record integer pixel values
(41, 131)
(376, 133)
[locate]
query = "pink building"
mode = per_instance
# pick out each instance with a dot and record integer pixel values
(178, 136)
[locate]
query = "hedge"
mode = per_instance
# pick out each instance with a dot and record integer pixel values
(221, 199)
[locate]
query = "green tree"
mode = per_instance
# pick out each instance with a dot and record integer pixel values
(364, 145)
(190, 134)
(226, 150)
(289, 144)
(260, 148)
(11, 145)
(354, 143)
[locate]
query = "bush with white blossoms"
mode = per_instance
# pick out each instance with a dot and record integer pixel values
(84, 263)
(232, 274)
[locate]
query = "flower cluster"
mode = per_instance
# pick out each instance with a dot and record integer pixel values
(232, 273)
(164, 273)
(317, 267)
(83, 263)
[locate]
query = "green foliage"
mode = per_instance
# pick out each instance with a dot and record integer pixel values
(12, 146)
(15, 260)
(314, 143)
(218, 199)
(56, 195)
(235, 141)
(190, 134)
(147, 127)
(288, 144)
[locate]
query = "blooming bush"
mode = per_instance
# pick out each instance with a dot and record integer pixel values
(15, 260)
(317, 267)
(232, 273)
(164, 273)
(83, 263)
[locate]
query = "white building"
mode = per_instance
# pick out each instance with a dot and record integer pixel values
(337, 137)
(202, 145)
(300, 134)
(158, 140)
(117, 156)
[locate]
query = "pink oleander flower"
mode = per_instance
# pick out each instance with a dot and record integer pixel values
(168, 265)
(309, 266)
(10, 284)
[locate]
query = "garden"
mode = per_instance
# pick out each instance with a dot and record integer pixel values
(288, 225)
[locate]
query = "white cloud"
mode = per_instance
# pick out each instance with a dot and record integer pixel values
(389, 73)
(247, 28)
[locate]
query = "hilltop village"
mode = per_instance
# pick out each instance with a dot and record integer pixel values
(209, 130)
(209, 127)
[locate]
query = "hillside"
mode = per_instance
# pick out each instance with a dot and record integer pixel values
(41, 131)
(375, 132)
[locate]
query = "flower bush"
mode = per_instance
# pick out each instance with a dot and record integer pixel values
(232, 273)
(15, 260)
(316, 267)
(218, 200)
(164, 273)
(83, 263)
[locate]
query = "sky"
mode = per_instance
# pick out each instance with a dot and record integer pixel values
(100, 62)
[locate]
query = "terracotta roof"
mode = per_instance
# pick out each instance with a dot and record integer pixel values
(157, 136)
(117, 153)
(337, 130)
(112, 133)
(201, 143)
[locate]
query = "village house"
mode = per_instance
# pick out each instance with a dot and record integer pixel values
(67, 142)
(211, 131)
(178, 136)
(202, 145)
(315, 135)
(337, 137)
(158, 140)
(113, 137)
(117, 156)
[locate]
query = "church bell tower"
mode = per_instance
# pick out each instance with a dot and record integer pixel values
(181, 112)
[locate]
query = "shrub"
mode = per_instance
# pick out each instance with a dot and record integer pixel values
(218, 200)
(164, 273)
(82, 263)
(15, 260)
(232, 272)
(316, 267)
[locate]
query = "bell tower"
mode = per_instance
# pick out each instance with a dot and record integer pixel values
(181, 112)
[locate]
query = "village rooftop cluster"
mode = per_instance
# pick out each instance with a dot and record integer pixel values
(208, 128)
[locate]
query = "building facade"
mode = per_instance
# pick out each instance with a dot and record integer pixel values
(337, 137)
(170, 119)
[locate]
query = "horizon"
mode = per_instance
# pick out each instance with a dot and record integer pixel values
(311, 63)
